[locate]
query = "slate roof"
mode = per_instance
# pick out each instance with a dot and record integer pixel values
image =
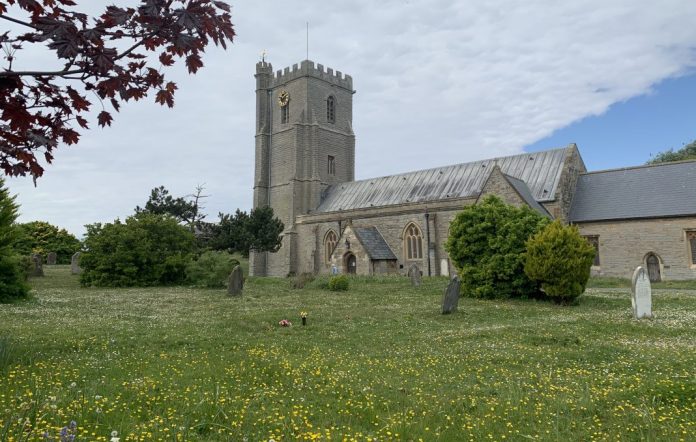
(374, 243)
(657, 191)
(526, 194)
(541, 171)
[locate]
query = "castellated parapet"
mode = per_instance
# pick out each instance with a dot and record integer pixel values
(308, 69)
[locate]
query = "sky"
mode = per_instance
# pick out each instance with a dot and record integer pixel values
(438, 82)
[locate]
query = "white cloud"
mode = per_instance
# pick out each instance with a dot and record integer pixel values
(438, 82)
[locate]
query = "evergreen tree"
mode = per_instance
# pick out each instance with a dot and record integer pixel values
(12, 275)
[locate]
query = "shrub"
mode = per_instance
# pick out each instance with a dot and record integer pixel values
(339, 283)
(299, 282)
(487, 245)
(211, 269)
(146, 250)
(42, 238)
(12, 276)
(560, 259)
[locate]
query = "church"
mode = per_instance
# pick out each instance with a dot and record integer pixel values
(305, 171)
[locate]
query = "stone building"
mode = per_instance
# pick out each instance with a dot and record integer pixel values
(305, 169)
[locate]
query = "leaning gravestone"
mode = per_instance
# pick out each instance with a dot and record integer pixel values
(451, 299)
(236, 282)
(37, 265)
(75, 268)
(415, 274)
(51, 259)
(641, 294)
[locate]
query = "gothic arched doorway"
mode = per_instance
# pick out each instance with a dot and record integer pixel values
(350, 264)
(653, 263)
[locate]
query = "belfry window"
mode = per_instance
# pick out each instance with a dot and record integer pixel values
(691, 240)
(331, 109)
(331, 166)
(330, 241)
(413, 242)
(285, 114)
(593, 240)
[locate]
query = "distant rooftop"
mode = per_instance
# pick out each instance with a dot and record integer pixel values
(661, 190)
(541, 172)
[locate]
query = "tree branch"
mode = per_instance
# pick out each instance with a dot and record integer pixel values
(20, 22)
(40, 73)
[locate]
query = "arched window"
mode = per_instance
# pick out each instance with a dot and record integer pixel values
(413, 242)
(331, 109)
(285, 114)
(330, 241)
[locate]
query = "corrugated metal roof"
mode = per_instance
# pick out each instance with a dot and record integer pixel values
(541, 171)
(641, 192)
(374, 243)
(526, 194)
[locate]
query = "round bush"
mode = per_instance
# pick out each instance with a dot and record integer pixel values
(487, 244)
(43, 238)
(211, 269)
(339, 283)
(146, 250)
(560, 259)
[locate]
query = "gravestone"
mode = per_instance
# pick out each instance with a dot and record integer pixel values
(236, 282)
(37, 265)
(641, 294)
(75, 268)
(415, 274)
(451, 298)
(51, 259)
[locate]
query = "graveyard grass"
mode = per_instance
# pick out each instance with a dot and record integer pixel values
(376, 362)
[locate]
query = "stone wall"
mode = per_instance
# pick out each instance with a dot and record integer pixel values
(390, 222)
(498, 185)
(624, 245)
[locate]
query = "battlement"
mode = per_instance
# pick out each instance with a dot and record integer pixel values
(308, 69)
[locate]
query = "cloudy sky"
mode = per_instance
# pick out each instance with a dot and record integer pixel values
(438, 82)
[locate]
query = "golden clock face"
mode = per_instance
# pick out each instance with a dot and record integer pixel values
(283, 98)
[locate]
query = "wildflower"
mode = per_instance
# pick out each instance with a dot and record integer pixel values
(73, 385)
(114, 436)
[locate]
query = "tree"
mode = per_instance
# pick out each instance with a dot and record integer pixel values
(259, 231)
(146, 250)
(487, 244)
(42, 238)
(12, 275)
(187, 212)
(105, 57)
(560, 259)
(688, 152)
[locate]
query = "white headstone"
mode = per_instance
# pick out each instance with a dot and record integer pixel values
(444, 267)
(641, 294)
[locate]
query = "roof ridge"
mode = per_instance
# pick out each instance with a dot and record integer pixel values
(451, 165)
(640, 166)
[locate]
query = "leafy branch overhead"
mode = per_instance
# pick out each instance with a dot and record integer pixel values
(106, 60)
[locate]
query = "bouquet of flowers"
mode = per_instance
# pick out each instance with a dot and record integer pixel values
(285, 323)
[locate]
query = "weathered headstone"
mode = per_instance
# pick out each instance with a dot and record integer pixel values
(51, 259)
(451, 298)
(37, 265)
(641, 294)
(236, 282)
(75, 268)
(415, 274)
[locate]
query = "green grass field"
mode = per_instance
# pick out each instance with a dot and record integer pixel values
(375, 363)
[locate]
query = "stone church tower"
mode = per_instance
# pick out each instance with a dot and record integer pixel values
(304, 143)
